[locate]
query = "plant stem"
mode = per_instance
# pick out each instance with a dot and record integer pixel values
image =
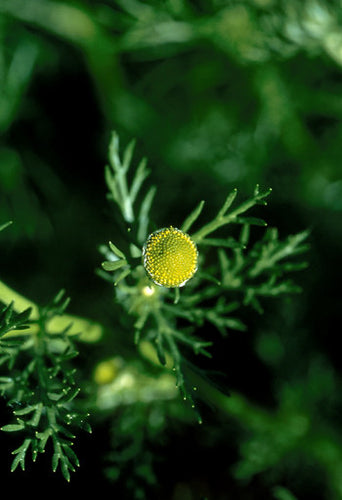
(222, 220)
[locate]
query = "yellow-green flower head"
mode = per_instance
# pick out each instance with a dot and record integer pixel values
(170, 257)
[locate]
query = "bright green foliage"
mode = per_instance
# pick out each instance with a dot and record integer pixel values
(40, 386)
(219, 93)
(242, 274)
(233, 274)
(11, 321)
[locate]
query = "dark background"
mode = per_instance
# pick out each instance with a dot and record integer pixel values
(217, 94)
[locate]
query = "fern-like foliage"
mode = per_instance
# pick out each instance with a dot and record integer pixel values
(233, 273)
(40, 385)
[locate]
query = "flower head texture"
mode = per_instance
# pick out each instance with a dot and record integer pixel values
(170, 257)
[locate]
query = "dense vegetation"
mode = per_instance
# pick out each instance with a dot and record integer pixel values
(228, 387)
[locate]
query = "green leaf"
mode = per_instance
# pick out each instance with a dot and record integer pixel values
(140, 176)
(227, 204)
(110, 181)
(66, 467)
(34, 449)
(69, 395)
(7, 313)
(127, 155)
(114, 150)
(13, 427)
(160, 350)
(43, 438)
(25, 411)
(197, 345)
(59, 458)
(6, 380)
(55, 460)
(235, 324)
(71, 454)
(6, 224)
(116, 251)
(192, 217)
(113, 265)
(254, 221)
(122, 275)
(208, 277)
(20, 455)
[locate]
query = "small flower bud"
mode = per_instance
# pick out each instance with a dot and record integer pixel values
(170, 257)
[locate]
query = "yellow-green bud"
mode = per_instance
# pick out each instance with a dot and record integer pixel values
(170, 257)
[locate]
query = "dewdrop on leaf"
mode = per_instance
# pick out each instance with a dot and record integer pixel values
(170, 257)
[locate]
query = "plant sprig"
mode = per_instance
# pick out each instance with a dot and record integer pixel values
(41, 386)
(224, 217)
(241, 275)
(125, 193)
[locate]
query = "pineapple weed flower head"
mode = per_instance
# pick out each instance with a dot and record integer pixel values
(170, 257)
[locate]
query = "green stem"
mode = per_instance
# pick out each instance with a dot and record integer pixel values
(222, 220)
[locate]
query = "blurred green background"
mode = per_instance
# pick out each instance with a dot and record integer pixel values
(218, 94)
